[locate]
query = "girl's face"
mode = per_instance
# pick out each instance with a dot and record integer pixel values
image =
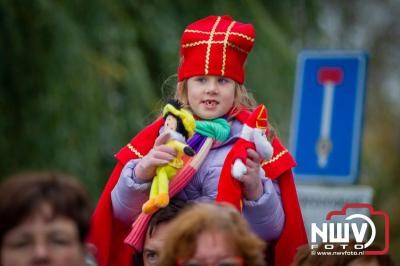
(210, 96)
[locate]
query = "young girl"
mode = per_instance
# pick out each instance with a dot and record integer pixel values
(211, 75)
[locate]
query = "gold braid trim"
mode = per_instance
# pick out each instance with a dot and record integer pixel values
(202, 32)
(192, 44)
(222, 33)
(224, 49)
(186, 45)
(237, 48)
(209, 45)
(243, 36)
(134, 150)
(279, 155)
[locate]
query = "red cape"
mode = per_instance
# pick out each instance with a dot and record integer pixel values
(294, 234)
(108, 234)
(230, 189)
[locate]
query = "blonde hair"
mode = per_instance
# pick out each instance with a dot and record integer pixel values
(243, 98)
(184, 231)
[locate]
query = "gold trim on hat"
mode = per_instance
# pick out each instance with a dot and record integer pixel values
(243, 36)
(222, 33)
(132, 149)
(193, 44)
(237, 48)
(224, 49)
(209, 45)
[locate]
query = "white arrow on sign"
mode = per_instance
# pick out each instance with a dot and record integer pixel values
(329, 77)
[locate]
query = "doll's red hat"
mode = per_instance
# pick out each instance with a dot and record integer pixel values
(258, 119)
(215, 45)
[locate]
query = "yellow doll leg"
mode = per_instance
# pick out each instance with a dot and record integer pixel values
(154, 187)
(162, 199)
(150, 205)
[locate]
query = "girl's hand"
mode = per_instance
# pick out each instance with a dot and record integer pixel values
(160, 154)
(252, 186)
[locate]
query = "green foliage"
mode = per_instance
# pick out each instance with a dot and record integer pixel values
(79, 79)
(74, 84)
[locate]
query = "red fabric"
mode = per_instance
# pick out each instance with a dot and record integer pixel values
(215, 45)
(230, 189)
(107, 234)
(278, 167)
(258, 118)
(294, 234)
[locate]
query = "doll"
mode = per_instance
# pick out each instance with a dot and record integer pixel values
(252, 136)
(180, 124)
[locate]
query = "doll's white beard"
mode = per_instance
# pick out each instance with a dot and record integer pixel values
(257, 136)
(263, 146)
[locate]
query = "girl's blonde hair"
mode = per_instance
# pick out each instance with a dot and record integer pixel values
(184, 231)
(243, 98)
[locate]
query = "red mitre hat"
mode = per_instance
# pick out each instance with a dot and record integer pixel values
(258, 119)
(215, 45)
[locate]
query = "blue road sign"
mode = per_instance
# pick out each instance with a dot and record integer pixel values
(327, 115)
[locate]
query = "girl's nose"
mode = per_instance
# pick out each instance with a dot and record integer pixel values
(212, 87)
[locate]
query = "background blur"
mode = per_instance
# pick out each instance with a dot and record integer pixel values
(78, 79)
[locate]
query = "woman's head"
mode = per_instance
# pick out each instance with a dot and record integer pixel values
(212, 233)
(45, 218)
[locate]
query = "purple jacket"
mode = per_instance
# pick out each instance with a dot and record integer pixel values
(265, 215)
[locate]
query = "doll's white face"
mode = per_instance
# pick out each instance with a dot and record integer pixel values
(210, 96)
(170, 123)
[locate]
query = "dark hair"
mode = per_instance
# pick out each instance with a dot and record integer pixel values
(167, 214)
(24, 194)
(179, 124)
(163, 215)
